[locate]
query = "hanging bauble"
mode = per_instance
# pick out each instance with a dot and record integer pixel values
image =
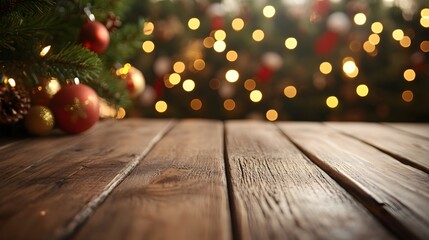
(326, 43)
(135, 81)
(338, 22)
(76, 108)
(39, 120)
(94, 36)
(42, 94)
(14, 104)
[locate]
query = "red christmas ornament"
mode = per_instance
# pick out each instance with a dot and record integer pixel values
(76, 108)
(94, 36)
(264, 73)
(326, 43)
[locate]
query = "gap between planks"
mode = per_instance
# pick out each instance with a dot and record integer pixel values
(71, 228)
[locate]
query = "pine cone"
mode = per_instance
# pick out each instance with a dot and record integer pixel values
(14, 104)
(112, 22)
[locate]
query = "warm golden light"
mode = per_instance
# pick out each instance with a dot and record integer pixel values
(148, 28)
(11, 82)
(377, 27)
(179, 67)
(237, 24)
(249, 84)
(219, 46)
(161, 106)
(349, 67)
(374, 39)
(231, 55)
(360, 19)
(232, 75)
(220, 35)
(332, 102)
(424, 21)
(325, 67)
(258, 35)
(229, 104)
(174, 78)
(424, 12)
(199, 64)
(188, 85)
(409, 75)
(269, 11)
(405, 41)
(45, 51)
(362, 90)
(255, 96)
(208, 42)
(291, 43)
(368, 47)
(271, 115)
(148, 46)
(290, 91)
(424, 46)
(407, 96)
(196, 104)
(121, 113)
(194, 23)
(398, 34)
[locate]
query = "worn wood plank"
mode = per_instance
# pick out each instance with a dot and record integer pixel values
(420, 129)
(52, 198)
(20, 155)
(279, 193)
(177, 192)
(406, 148)
(397, 194)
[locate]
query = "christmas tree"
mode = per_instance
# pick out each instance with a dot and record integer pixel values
(50, 45)
(287, 60)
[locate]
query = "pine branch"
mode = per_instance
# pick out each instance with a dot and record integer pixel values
(24, 7)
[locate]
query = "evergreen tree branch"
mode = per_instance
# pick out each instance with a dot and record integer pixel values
(24, 7)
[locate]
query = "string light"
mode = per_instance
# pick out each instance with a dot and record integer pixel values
(179, 67)
(237, 24)
(291, 43)
(269, 11)
(409, 75)
(219, 46)
(368, 47)
(121, 113)
(229, 104)
(232, 75)
(45, 51)
(350, 68)
(208, 42)
(148, 28)
(148, 46)
(161, 106)
(397, 34)
(377, 27)
(290, 91)
(196, 104)
(255, 96)
(188, 85)
(174, 78)
(325, 67)
(332, 102)
(359, 19)
(424, 46)
(362, 90)
(272, 115)
(374, 39)
(194, 23)
(249, 84)
(231, 55)
(199, 64)
(220, 35)
(258, 35)
(405, 41)
(407, 96)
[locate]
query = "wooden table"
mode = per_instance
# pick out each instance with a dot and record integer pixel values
(203, 179)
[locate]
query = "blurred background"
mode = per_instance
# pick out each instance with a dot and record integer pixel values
(285, 60)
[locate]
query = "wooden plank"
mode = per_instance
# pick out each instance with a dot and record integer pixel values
(14, 157)
(279, 193)
(52, 198)
(420, 129)
(177, 192)
(397, 194)
(404, 147)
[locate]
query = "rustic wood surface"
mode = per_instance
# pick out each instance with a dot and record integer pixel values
(207, 179)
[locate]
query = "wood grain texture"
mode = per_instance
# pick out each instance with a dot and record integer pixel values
(278, 193)
(404, 147)
(177, 192)
(397, 194)
(43, 200)
(419, 129)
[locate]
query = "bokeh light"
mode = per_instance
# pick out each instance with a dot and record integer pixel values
(332, 102)
(161, 106)
(290, 91)
(272, 115)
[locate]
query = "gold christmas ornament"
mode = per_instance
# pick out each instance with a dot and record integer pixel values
(39, 120)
